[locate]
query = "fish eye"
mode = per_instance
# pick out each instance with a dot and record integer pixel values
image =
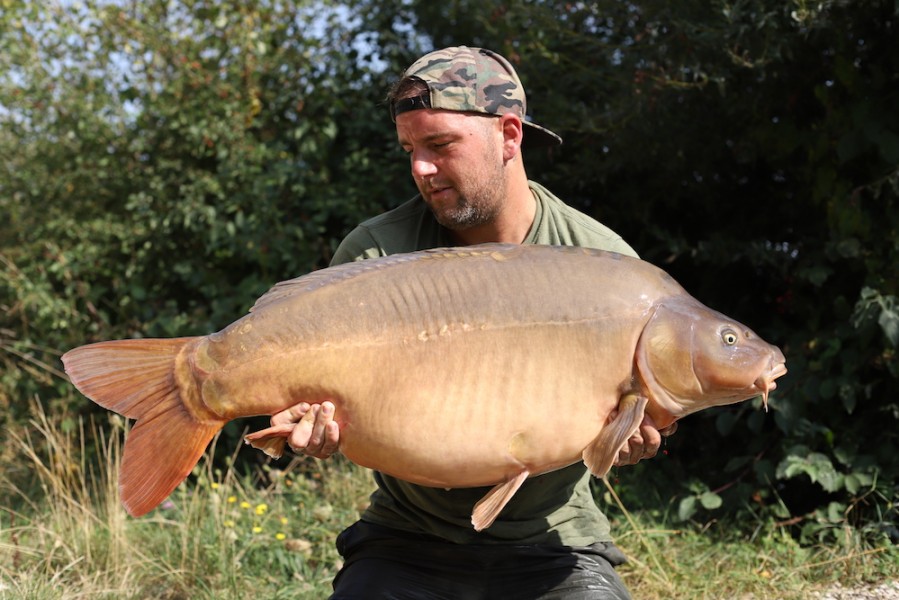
(729, 336)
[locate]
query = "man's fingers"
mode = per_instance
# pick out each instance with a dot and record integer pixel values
(317, 433)
(631, 452)
(302, 434)
(668, 430)
(323, 416)
(652, 441)
(645, 443)
(332, 439)
(291, 415)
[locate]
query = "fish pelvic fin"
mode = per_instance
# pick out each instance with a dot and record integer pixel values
(139, 380)
(271, 440)
(489, 507)
(600, 455)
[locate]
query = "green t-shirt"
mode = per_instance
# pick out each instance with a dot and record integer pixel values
(553, 508)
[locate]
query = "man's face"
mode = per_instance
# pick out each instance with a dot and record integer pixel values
(457, 164)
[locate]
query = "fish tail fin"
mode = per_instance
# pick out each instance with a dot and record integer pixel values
(600, 455)
(138, 379)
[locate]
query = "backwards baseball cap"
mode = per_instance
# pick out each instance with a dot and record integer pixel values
(471, 80)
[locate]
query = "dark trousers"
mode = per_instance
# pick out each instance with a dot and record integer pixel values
(385, 564)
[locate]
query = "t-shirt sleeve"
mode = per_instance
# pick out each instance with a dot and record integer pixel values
(359, 244)
(617, 244)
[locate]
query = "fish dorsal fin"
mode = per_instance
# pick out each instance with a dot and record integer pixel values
(600, 455)
(324, 277)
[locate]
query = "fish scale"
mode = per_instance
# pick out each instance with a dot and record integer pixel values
(453, 368)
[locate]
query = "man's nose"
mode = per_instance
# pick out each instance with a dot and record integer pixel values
(422, 167)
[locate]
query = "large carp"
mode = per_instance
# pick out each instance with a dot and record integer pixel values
(458, 367)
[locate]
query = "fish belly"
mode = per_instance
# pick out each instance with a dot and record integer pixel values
(457, 409)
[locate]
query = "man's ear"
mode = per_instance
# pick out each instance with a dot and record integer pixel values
(513, 134)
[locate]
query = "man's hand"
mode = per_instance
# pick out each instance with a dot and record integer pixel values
(643, 444)
(316, 433)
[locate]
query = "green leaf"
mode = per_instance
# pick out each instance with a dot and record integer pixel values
(710, 501)
(756, 421)
(816, 465)
(686, 508)
(816, 275)
(737, 462)
(836, 512)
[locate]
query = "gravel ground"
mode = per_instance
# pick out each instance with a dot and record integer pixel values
(882, 591)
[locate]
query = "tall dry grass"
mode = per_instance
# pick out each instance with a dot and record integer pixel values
(223, 535)
(65, 533)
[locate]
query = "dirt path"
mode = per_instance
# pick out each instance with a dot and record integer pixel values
(882, 591)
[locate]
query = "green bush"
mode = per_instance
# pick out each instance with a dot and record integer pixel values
(165, 163)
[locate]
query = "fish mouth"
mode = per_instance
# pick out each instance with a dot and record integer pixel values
(766, 382)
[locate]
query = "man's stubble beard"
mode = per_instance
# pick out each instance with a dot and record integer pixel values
(477, 206)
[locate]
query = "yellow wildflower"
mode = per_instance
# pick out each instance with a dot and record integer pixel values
(280, 536)
(261, 508)
(232, 499)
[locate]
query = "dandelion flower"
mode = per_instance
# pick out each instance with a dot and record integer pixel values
(245, 504)
(280, 536)
(232, 499)
(261, 508)
(215, 485)
(257, 529)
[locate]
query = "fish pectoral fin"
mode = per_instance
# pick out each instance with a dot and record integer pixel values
(600, 455)
(489, 507)
(271, 440)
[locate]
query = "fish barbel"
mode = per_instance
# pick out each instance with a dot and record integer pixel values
(451, 368)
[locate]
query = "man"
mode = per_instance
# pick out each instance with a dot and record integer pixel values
(460, 116)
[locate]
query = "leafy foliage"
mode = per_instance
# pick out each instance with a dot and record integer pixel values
(167, 163)
(164, 163)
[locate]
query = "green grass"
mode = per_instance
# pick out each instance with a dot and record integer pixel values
(64, 534)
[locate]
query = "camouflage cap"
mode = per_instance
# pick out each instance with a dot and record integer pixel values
(471, 80)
